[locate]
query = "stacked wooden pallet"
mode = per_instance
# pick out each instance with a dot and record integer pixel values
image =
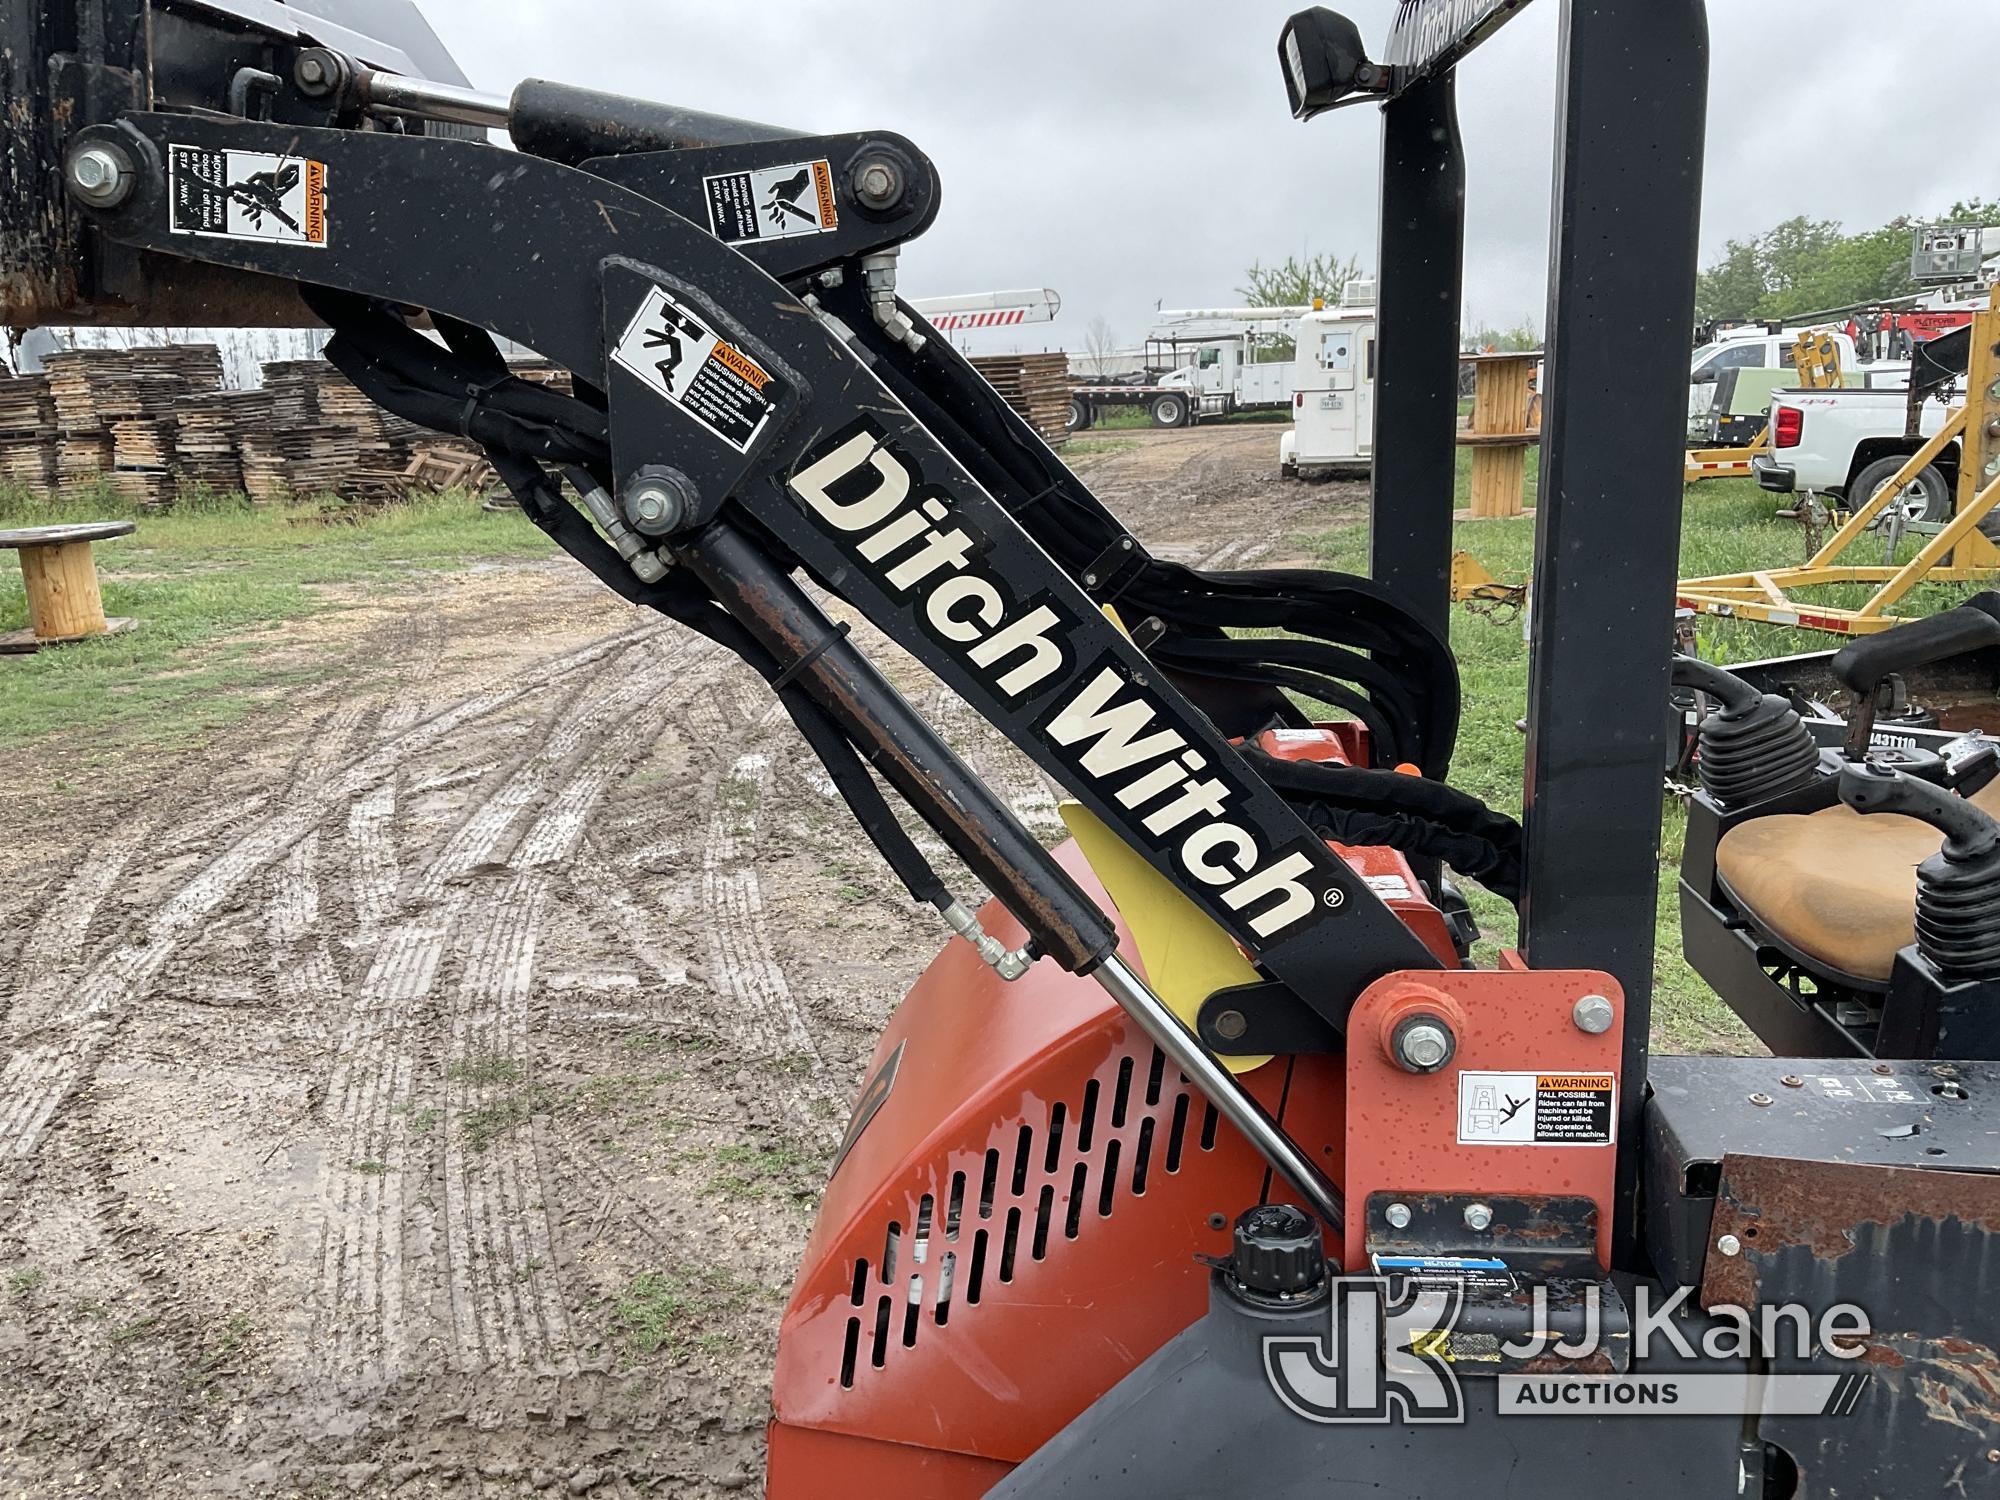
(1036, 386)
(82, 458)
(27, 433)
(115, 414)
(207, 455)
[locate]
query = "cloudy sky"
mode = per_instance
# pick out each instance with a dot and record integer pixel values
(1133, 156)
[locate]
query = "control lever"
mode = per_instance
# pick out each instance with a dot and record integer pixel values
(1969, 833)
(1754, 746)
(1958, 888)
(1861, 666)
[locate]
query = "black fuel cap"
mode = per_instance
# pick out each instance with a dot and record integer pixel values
(1278, 1251)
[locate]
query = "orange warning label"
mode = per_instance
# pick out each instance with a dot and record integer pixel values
(829, 211)
(316, 202)
(741, 364)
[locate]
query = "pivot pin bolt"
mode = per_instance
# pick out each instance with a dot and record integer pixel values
(101, 175)
(660, 501)
(1478, 1217)
(1423, 1043)
(1594, 1014)
(878, 182)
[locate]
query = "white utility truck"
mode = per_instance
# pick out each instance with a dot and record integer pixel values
(1849, 443)
(1201, 362)
(1333, 389)
(1227, 356)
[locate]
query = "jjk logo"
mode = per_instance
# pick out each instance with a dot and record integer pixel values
(1386, 1356)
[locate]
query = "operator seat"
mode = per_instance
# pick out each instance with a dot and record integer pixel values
(1836, 886)
(1847, 901)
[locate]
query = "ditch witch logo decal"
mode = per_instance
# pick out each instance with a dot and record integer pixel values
(1118, 738)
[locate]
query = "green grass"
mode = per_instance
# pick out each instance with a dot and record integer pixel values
(209, 582)
(1096, 447)
(663, 1312)
(653, 1313)
(1728, 526)
(754, 1172)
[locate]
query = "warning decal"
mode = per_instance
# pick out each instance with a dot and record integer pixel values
(1863, 1090)
(246, 195)
(1536, 1109)
(714, 382)
(772, 203)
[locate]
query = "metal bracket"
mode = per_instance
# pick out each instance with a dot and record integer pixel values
(1263, 1019)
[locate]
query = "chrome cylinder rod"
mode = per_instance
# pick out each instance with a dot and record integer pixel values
(1220, 1087)
(394, 94)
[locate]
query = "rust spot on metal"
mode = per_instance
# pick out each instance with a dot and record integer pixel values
(1773, 1204)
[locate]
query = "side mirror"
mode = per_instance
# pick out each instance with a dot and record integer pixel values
(1324, 61)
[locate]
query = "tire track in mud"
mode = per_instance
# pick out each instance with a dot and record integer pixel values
(743, 965)
(41, 1074)
(362, 1297)
(303, 969)
(506, 1304)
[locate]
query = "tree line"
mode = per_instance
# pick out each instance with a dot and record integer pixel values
(1806, 265)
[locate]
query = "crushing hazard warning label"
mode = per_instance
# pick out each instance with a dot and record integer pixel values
(1536, 1109)
(246, 195)
(713, 381)
(772, 203)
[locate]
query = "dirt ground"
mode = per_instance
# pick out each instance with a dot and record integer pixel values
(424, 1089)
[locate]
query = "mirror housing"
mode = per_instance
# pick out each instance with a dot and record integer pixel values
(1324, 62)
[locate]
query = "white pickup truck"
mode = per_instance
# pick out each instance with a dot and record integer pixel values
(1850, 443)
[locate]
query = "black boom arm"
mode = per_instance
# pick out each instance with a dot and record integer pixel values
(732, 404)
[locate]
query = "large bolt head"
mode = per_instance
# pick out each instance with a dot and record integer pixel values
(101, 175)
(661, 503)
(1398, 1215)
(1423, 1044)
(1594, 1014)
(1478, 1217)
(878, 182)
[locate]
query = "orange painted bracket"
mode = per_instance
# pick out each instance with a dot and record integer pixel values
(1512, 1114)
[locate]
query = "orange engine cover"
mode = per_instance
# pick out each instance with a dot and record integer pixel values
(1015, 1222)
(1012, 1231)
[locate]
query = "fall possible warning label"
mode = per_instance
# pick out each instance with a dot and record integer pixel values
(246, 195)
(1536, 1109)
(710, 379)
(772, 203)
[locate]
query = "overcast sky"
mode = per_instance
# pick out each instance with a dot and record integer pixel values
(1132, 156)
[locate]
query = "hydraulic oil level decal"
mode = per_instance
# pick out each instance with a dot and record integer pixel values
(772, 203)
(1536, 1109)
(246, 195)
(710, 379)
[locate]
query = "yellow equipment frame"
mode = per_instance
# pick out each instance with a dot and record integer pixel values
(1817, 358)
(1959, 553)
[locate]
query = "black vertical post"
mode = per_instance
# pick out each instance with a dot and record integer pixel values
(1634, 94)
(1419, 269)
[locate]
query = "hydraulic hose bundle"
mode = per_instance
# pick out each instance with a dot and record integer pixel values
(1347, 644)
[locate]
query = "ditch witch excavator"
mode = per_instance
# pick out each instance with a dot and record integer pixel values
(1206, 1164)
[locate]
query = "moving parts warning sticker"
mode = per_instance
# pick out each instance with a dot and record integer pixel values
(246, 195)
(1536, 1109)
(714, 382)
(772, 203)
